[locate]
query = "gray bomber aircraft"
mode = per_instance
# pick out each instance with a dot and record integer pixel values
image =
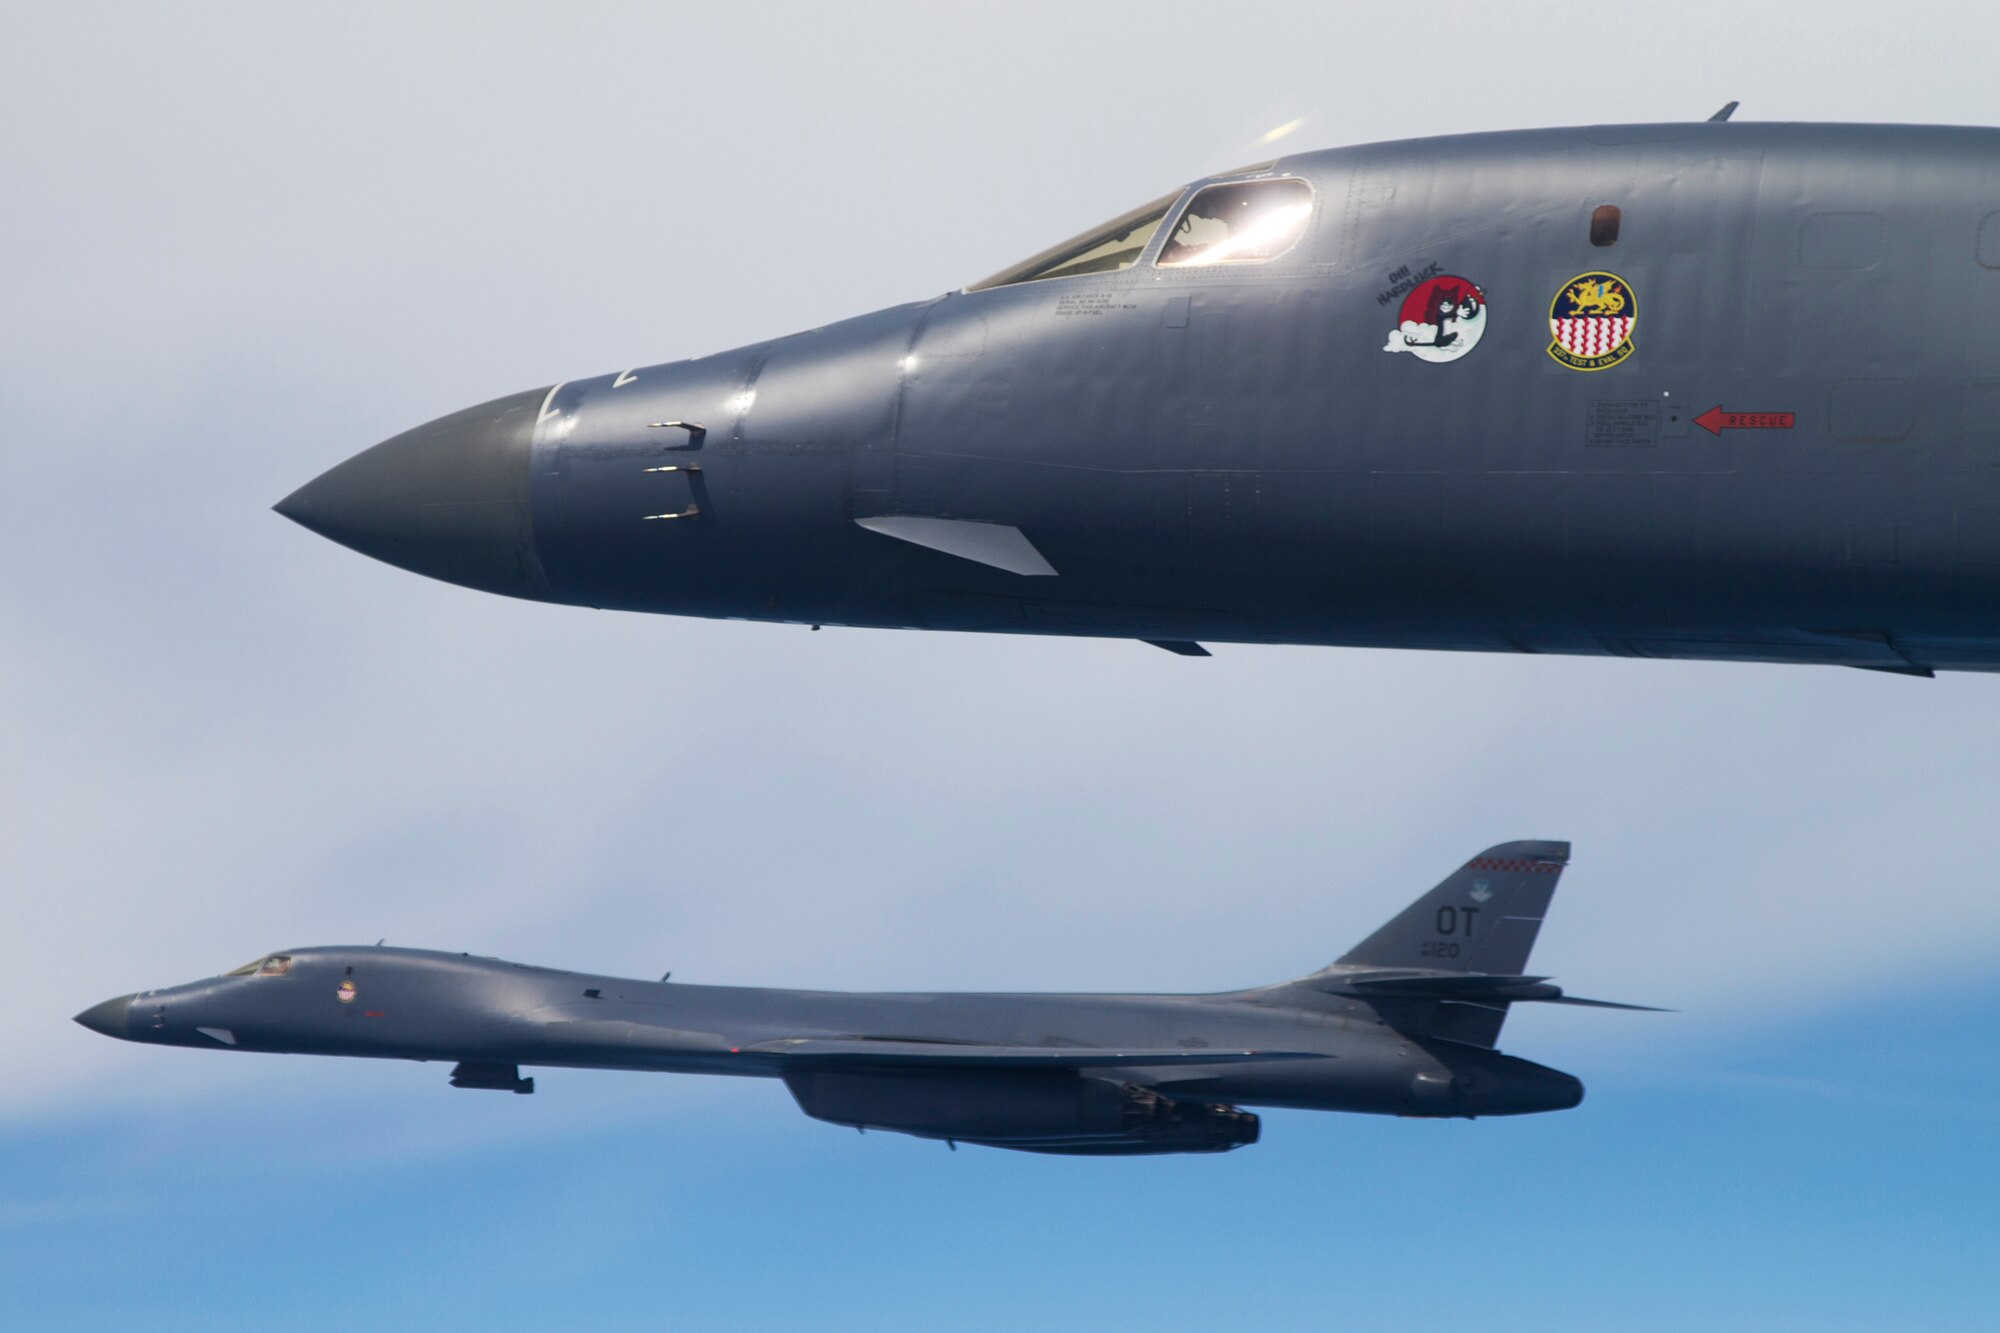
(1404, 1024)
(1708, 390)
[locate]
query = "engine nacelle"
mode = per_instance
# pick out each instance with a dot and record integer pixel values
(1032, 1112)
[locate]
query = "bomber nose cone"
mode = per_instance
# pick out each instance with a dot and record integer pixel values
(448, 499)
(109, 1017)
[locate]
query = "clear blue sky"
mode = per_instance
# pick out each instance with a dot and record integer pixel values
(246, 241)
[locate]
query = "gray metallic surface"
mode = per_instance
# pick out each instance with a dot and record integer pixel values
(1403, 1024)
(448, 499)
(1228, 453)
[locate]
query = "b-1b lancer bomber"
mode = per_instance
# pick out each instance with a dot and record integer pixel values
(1404, 1024)
(1713, 390)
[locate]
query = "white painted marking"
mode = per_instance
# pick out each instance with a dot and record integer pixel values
(545, 413)
(624, 378)
(223, 1035)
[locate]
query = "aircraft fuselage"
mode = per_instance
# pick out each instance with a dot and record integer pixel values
(1757, 417)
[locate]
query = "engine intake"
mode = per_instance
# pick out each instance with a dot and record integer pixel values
(1046, 1113)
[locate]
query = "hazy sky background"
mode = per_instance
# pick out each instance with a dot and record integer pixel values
(245, 241)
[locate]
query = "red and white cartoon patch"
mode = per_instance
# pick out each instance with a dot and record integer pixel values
(1440, 320)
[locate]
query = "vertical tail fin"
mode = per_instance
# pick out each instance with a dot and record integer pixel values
(1482, 918)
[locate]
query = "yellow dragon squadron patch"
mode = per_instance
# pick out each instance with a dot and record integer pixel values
(1591, 320)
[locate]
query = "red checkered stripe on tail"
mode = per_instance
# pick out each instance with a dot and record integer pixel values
(1510, 863)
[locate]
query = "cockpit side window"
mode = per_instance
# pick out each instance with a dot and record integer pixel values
(1114, 246)
(271, 965)
(1242, 222)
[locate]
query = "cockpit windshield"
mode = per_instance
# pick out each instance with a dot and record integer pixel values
(271, 965)
(1115, 245)
(1235, 222)
(1244, 222)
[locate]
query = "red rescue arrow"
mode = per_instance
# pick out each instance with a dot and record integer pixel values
(1715, 421)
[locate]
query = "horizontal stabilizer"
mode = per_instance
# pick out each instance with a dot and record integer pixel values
(1602, 1004)
(1468, 987)
(1445, 986)
(878, 1052)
